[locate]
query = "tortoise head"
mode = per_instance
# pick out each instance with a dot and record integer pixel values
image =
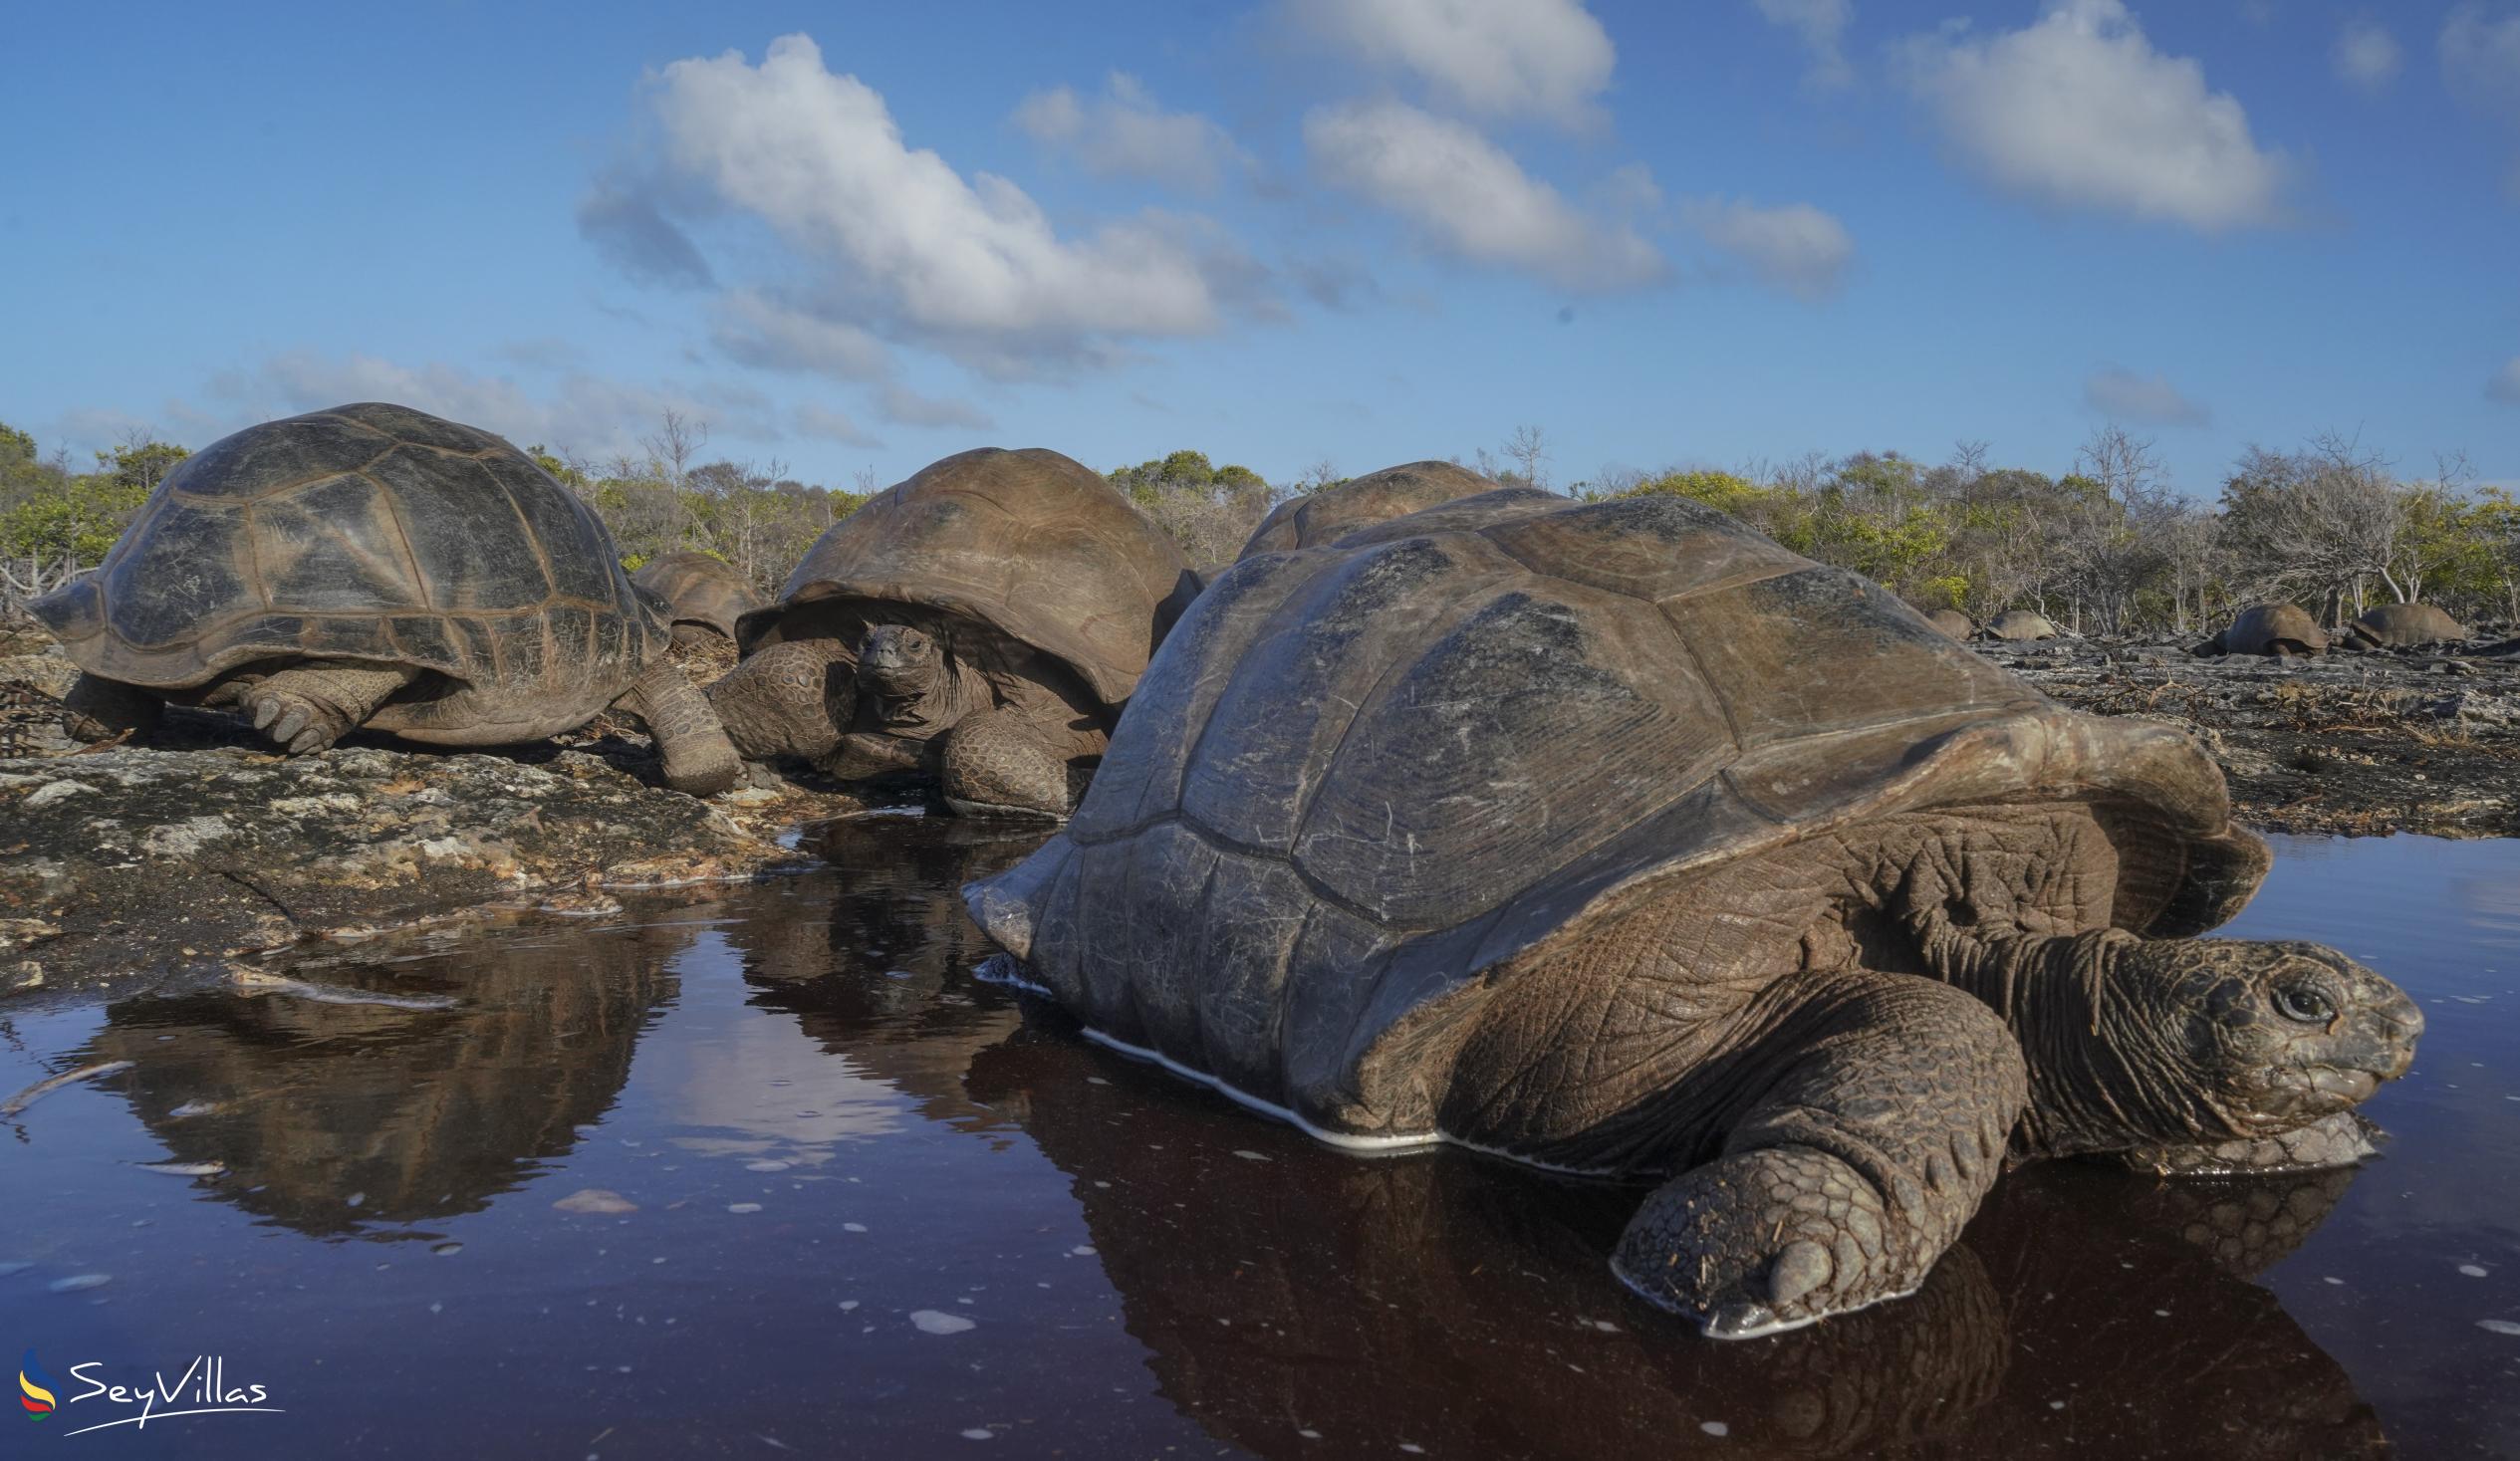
(2265, 1037)
(900, 660)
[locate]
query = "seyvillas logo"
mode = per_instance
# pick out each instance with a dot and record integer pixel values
(204, 1387)
(35, 1388)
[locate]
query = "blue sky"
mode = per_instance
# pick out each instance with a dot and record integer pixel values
(1289, 231)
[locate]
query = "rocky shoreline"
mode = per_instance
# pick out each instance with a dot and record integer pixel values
(2355, 744)
(161, 861)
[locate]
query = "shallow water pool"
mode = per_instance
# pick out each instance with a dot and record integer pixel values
(765, 1171)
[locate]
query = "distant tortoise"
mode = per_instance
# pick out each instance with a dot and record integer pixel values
(1617, 837)
(1953, 622)
(983, 623)
(2268, 628)
(1323, 517)
(372, 566)
(706, 592)
(2395, 625)
(2019, 624)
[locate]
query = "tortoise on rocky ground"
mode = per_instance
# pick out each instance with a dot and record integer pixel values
(1953, 622)
(2268, 628)
(1617, 837)
(1361, 502)
(706, 592)
(2019, 624)
(982, 622)
(373, 566)
(2399, 624)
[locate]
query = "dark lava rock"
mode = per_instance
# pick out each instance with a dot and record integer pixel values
(2424, 741)
(150, 862)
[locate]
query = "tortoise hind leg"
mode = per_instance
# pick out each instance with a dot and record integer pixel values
(999, 763)
(307, 708)
(100, 709)
(700, 759)
(1850, 1170)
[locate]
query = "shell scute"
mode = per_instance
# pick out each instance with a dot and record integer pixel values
(470, 543)
(154, 604)
(1651, 548)
(277, 457)
(1490, 752)
(333, 545)
(1269, 737)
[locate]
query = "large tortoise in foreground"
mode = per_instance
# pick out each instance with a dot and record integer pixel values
(375, 565)
(982, 622)
(1317, 517)
(1617, 837)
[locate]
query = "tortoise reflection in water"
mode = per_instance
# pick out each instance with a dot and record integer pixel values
(347, 1120)
(1614, 837)
(1460, 1306)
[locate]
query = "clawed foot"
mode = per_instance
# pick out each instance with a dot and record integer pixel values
(298, 724)
(1767, 1241)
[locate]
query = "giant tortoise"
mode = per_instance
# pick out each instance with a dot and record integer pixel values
(1614, 837)
(2394, 625)
(983, 623)
(375, 565)
(1361, 502)
(2020, 625)
(2277, 629)
(705, 592)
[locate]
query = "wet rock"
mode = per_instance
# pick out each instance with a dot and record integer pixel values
(2352, 743)
(133, 862)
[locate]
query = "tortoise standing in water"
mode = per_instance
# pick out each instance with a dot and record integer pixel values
(372, 566)
(2277, 629)
(1614, 837)
(705, 592)
(981, 623)
(1326, 516)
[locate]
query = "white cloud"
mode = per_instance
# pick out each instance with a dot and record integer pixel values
(1822, 24)
(1464, 196)
(1548, 59)
(2505, 386)
(907, 407)
(2480, 61)
(893, 242)
(2121, 394)
(831, 426)
(1794, 247)
(1125, 134)
(2079, 109)
(2366, 57)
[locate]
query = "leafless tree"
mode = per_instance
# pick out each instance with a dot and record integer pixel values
(1528, 448)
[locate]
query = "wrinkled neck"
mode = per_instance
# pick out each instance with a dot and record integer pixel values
(2105, 1072)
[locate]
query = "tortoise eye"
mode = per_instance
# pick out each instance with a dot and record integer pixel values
(2302, 1003)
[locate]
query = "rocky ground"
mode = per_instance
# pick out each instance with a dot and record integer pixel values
(159, 859)
(2392, 741)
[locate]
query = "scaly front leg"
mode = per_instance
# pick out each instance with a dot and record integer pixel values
(1849, 1171)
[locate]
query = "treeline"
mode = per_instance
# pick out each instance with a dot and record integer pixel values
(2109, 548)
(2105, 548)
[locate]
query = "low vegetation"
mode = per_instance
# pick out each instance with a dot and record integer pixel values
(2106, 547)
